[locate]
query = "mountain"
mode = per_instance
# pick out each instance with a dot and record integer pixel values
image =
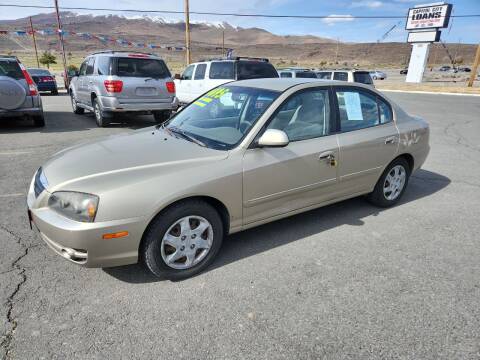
(155, 29)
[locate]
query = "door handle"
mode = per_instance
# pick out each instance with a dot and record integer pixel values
(329, 156)
(390, 140)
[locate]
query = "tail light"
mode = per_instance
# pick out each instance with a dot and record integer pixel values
(113, 86)
(32, 88)
(46, 78)
(170, 87)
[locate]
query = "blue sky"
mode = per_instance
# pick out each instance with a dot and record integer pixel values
(355, 30)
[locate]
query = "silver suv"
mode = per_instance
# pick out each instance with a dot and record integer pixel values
(113, 82)
(19, 95)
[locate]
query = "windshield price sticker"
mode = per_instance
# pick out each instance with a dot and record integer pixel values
(210, 96)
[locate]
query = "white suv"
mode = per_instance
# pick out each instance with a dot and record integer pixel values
(358, 76)
(200, 77)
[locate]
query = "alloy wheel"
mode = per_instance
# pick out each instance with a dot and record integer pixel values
(394, 182)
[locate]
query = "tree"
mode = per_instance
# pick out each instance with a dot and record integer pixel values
(47, 58)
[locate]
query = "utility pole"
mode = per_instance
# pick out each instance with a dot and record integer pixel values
(336, 51)
(34, 41)
(223, 43)
(62, 46)
(475, 67)
(187, 33)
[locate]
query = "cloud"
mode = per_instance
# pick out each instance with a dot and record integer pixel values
(372, 4)
(333, 19)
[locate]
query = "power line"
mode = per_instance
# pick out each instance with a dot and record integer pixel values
(178, 12)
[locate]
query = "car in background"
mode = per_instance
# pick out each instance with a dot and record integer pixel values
(404, 71)
(244, 154)
(359, 76)
(378, 75)
(44, 80)
(464, 69)
(297, 73)
(123, 82)
(202, 76)
(445, 68)
(19, 94)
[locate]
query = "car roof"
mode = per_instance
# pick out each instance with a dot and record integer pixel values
(282, 84)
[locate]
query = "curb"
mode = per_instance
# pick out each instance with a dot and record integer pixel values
(428, 92)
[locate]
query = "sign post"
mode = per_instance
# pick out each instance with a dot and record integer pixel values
(423, 23)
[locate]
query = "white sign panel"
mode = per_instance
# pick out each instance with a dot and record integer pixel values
(428, 17)
(424, 36)
(418, 61)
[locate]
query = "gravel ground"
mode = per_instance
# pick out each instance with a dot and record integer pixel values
(347, 281)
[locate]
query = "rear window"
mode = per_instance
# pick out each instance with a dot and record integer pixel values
(39, 72)
(221, 70)
(362, 77)
(10, 68)
(306, 74)
(132, 67)
(255, 70)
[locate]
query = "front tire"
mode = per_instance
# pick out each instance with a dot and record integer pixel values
(75, 108)
(182, 241)
(391, 185)
(162, 116)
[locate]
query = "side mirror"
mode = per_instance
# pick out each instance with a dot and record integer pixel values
(273, 138)
(178, 77)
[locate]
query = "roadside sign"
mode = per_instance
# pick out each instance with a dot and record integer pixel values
(424, 36)
(428, 17)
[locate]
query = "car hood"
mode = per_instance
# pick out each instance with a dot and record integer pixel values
(146, 148)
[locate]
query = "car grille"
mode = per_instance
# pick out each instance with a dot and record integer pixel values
(37, 184)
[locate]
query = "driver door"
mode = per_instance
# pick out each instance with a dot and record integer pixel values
(277, 181)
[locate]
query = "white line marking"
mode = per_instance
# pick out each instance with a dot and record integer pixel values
(428, 92)
(15, 153)
(11, 195)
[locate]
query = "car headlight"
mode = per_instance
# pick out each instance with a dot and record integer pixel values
(74, 205)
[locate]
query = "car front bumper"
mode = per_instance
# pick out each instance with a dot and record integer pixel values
(83, 243)
(113, 104)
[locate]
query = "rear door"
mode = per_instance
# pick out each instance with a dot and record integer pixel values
(220, 72)
(88, 81)
(80, 90)
(144, 79)
(367, 136)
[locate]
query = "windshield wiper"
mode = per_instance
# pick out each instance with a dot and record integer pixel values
(176, 130)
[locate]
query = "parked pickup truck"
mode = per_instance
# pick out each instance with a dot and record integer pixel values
(200, 77)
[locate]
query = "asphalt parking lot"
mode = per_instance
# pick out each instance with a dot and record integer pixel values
(346, 281)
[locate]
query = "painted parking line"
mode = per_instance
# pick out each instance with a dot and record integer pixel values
(11, 195)
(6, 153)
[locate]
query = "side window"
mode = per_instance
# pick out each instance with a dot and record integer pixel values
(303, 116)
(103, 65)
(200, 72)
(286, 74)
(342, 76)
(221, 70)
(324, 75)
(90, 64)
(83, 68)
(385, 111)
(358, 110)
(187, 74)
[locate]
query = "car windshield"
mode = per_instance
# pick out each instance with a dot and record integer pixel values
(222, 117)
(134, 67)
(10, 68)
(39, 72)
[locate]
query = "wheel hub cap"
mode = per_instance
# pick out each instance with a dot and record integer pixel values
(394, 182)
(186, 242)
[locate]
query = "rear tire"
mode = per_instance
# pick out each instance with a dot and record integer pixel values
(39, 120)
(154, 251)
(391, 185)
(99, 114)
(162, 116)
